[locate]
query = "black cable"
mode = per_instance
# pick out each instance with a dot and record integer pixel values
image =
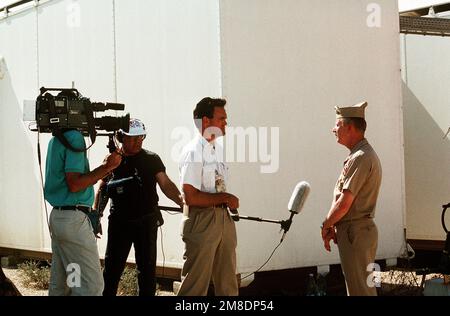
(262, 266)
(264, 262)
(444, 209)
(42, 181)
(162, 250)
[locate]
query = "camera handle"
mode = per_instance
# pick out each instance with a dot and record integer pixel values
(103, 197)
(111, 144)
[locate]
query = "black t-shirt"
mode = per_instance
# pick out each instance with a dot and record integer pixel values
(140, 196)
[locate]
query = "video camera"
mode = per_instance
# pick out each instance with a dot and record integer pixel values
(69, 110)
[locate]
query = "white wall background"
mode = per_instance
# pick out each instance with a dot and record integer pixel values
(287, 64)
(20, 199)
(282, 64)
(426, 95)
(158, 68)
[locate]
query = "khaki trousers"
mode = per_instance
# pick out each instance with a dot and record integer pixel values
(209, 235)
(76, 266)
(357, 242)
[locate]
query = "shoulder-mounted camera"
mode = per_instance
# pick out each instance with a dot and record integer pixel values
(69, 110)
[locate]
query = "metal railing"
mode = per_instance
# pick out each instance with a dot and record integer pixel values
(7, 10)
(424, 26)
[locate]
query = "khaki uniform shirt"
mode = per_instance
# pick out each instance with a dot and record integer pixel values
(361, 175)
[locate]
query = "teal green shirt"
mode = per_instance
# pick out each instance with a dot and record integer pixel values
(61, 160)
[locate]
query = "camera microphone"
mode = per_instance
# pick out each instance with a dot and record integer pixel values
(115, 106)
(101, 107)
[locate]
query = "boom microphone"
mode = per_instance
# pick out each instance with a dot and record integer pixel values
(296, 203)
(298, 197)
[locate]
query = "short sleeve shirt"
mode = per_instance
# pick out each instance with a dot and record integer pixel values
(146, 165)
(61, 160)
(361, 175)
(202, 166)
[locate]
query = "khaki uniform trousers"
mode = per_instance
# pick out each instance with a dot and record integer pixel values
(357, 242)
(210, 241)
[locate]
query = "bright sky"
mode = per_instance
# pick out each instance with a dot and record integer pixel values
(406, 5)
(403, 5)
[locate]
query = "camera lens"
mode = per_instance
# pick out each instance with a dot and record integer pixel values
(111, 123)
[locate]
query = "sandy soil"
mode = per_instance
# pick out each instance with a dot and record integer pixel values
(393, 282)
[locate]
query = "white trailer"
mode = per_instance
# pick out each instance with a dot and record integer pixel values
(426, 95)
(282, 66)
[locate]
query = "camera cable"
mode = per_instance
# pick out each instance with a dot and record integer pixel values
(42, 181)
(262, 266)
(162, 250)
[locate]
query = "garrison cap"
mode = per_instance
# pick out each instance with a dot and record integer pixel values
(356, 110)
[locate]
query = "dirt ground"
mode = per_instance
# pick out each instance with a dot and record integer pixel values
(14, 275)
(393, 283)
(400, 282)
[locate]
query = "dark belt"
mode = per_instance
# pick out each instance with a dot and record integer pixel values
(83, 208)
(224, 205)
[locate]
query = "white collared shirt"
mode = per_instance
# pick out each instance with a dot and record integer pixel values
(202, 165)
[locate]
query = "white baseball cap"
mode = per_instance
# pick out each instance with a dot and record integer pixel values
(137, 128)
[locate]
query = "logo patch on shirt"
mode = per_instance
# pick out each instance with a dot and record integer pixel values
(220, 183)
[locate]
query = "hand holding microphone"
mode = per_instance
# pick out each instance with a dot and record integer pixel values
(233, 204)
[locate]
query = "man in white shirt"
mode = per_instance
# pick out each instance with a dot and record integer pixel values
(208, 231)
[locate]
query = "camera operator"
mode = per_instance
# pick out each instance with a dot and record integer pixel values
(69, 189)
(134, 216)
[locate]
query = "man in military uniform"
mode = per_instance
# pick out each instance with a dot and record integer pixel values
(350, 219)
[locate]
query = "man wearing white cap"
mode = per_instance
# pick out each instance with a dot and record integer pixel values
(134, 217)
(350, 219)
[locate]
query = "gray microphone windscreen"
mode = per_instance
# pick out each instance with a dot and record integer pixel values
(298, 197)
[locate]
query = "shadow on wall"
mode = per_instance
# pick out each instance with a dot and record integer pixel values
(427, 166)
(20, 189)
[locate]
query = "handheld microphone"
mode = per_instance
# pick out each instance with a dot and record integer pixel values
(296, 203)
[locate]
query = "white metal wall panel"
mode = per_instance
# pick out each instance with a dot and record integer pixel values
(76, 43)
(167, 60)
(163, 69)
(286, 64)
(426, 96)
(281, 64)
(21, 221)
